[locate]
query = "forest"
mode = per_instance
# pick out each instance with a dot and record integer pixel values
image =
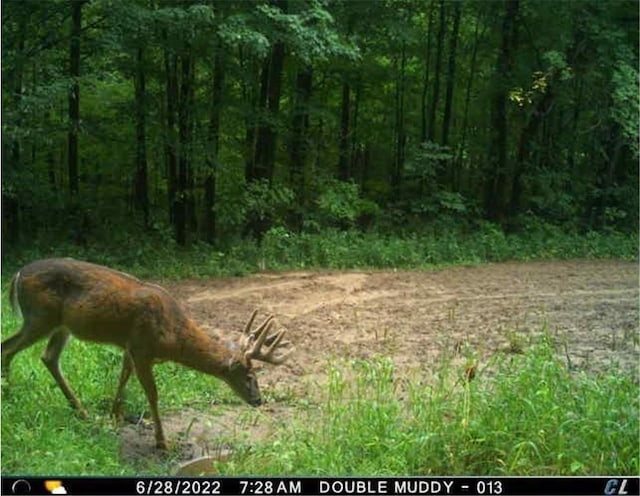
(222, 122)
(364, 165)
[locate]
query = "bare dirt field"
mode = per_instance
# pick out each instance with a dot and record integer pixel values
(412, 317)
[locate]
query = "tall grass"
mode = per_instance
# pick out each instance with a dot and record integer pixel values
(532, 416)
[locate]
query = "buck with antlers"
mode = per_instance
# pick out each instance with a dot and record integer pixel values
(58, 298)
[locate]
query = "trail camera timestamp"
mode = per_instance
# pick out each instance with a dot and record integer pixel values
(267, 487)
(327, 486)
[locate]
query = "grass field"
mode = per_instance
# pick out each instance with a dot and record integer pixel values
(529, 415)
(532, 418)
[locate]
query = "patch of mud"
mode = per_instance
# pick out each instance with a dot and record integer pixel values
(193, 434)
(412, 317)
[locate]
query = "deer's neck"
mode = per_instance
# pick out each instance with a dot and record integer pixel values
(210, 353)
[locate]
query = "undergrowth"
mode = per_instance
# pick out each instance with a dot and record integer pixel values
(159, 257)
(531, 417)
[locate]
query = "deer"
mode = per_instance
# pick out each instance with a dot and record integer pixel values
(62, 297)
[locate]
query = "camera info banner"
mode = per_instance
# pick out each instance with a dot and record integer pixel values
(330, 486)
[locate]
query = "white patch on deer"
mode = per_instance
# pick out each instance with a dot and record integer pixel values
(16, 300)
(232, 345)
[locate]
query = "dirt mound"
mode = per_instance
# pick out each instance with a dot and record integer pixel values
(412, 317)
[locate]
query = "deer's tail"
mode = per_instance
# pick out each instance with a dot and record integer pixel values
(13, 295)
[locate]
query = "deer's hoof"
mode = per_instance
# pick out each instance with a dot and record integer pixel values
(117, 414)
(83, 414)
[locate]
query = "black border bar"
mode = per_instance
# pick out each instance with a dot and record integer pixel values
(330, 486)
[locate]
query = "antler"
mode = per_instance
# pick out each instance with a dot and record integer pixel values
(260, 337)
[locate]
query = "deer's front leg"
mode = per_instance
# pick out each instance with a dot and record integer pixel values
(144, 371)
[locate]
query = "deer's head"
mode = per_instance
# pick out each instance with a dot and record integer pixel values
(255, 345)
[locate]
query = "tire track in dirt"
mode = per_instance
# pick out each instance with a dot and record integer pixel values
(416, 316)
(420, 311)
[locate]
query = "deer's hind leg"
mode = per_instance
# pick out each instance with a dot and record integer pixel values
(31, 332)
(51, 358)
(125, 374)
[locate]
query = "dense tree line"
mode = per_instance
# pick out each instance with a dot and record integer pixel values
(214, 120)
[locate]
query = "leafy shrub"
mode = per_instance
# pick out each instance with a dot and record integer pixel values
(265, 201)
(340, 204)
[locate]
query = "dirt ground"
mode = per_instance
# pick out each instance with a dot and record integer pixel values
(412, 317)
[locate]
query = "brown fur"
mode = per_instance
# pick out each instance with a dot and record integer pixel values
(63, 297)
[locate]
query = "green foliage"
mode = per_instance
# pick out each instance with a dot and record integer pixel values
(159, 257)
(263, 201)
(237, 31)
(373, 63)
(340, 203)
(531, 417)
(626, 101)
(425, 160)
(310, 33)
(282, 249)
(565, 152)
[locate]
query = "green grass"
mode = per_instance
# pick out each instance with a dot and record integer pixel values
(531, 415)
(532, 418)
(41, 434)
(159, 258)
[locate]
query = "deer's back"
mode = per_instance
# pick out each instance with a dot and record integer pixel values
(96, 303)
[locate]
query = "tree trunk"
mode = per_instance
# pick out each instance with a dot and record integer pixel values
(495, 192)
(300, 126)
(612, 145)
(266, 136)
(467, 98)
(11, 153)
(436, 84)
(273, 107)
(171, 140)
(448, 101)
(576, 60)
(217, 95)
(265, 150)
(188, 103)
(355, 162)
(577, 109)
(74, 94)
(141, 199)
(524, 155)
(400, 133)
(344, 174)
(248, 91)
(366, 166)
(183, 189)
(425, 83)
(256, 137)
(51, 160)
